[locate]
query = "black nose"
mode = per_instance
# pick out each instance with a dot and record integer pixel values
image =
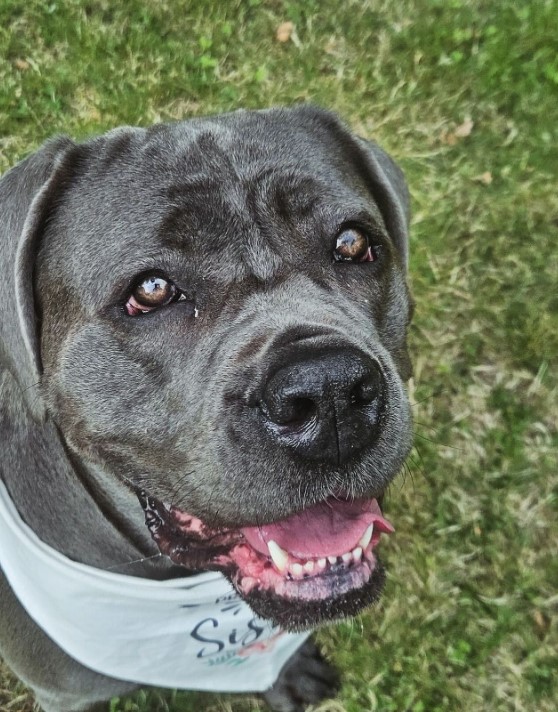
(325, 407)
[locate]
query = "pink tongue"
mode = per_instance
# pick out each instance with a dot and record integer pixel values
(330, 528)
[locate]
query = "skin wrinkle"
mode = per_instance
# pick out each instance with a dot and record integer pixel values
(169, 401)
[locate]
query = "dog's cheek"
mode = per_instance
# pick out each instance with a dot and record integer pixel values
(393, 324)
(100, 391)
(378, 311)
(55, 323)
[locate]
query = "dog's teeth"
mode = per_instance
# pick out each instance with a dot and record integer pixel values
(321, 564)
(347, 558)
(357, 553)
(332, 559)
(279, 557)
(367, 537)
(309, 567)
(297, 570)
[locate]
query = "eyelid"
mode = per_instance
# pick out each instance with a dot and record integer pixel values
(365, 224)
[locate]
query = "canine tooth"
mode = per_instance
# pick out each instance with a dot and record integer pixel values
(347, 557)
(279, 557)
(332, 559)
(297, 570)
(357, 553)
(367, 536)
(309, 567)
(321, 563)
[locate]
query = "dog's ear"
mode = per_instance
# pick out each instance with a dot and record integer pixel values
(389, 189)
(27, 195)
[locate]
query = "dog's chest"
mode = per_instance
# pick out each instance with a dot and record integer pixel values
(165, 633)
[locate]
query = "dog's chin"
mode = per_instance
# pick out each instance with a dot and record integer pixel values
(316, 566)
(327, 598)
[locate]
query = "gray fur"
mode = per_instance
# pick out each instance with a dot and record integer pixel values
(240, 211)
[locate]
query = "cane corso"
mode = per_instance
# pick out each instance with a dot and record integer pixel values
(203, 329)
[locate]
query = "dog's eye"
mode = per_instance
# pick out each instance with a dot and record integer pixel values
(352, 246)
(151, 293)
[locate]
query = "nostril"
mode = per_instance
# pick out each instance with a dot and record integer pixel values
(303, 409)
(292, 412)
(365, 392)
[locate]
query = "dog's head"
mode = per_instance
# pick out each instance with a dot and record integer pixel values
(216, 311)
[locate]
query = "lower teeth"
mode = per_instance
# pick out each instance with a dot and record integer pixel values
(311, 567)
(298, 570)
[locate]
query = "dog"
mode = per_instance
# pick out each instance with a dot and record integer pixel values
(203, 331)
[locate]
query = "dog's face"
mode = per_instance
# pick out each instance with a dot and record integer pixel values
(223, 315)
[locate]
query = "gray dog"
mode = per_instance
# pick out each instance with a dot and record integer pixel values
(203, 330)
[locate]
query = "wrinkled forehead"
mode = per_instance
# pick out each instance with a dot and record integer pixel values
(217, 192)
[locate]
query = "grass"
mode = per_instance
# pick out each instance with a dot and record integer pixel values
(468, 620)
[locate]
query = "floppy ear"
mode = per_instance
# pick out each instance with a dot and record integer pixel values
(389, 188)
(27, 193)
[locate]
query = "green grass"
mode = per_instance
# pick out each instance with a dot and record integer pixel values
(468, 620)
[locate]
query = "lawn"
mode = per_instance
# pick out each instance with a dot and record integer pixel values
(464, 93)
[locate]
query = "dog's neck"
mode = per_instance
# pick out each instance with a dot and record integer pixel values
(79, 512)
(119, 506)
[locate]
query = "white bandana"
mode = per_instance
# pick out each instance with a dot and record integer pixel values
(193, 633)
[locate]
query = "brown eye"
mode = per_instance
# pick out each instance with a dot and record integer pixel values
(352, 246)
(152, 292)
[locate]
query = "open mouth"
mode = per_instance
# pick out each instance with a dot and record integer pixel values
(314, 566)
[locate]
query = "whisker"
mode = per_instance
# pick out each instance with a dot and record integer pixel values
(211, 497)
(427, 398)
(134, 561)
(33, 385)
(452, 447)
(178, 485)
(418, 465)
(428, 426)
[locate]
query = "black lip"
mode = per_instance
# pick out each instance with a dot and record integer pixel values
(194, 551)
(297, 615)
